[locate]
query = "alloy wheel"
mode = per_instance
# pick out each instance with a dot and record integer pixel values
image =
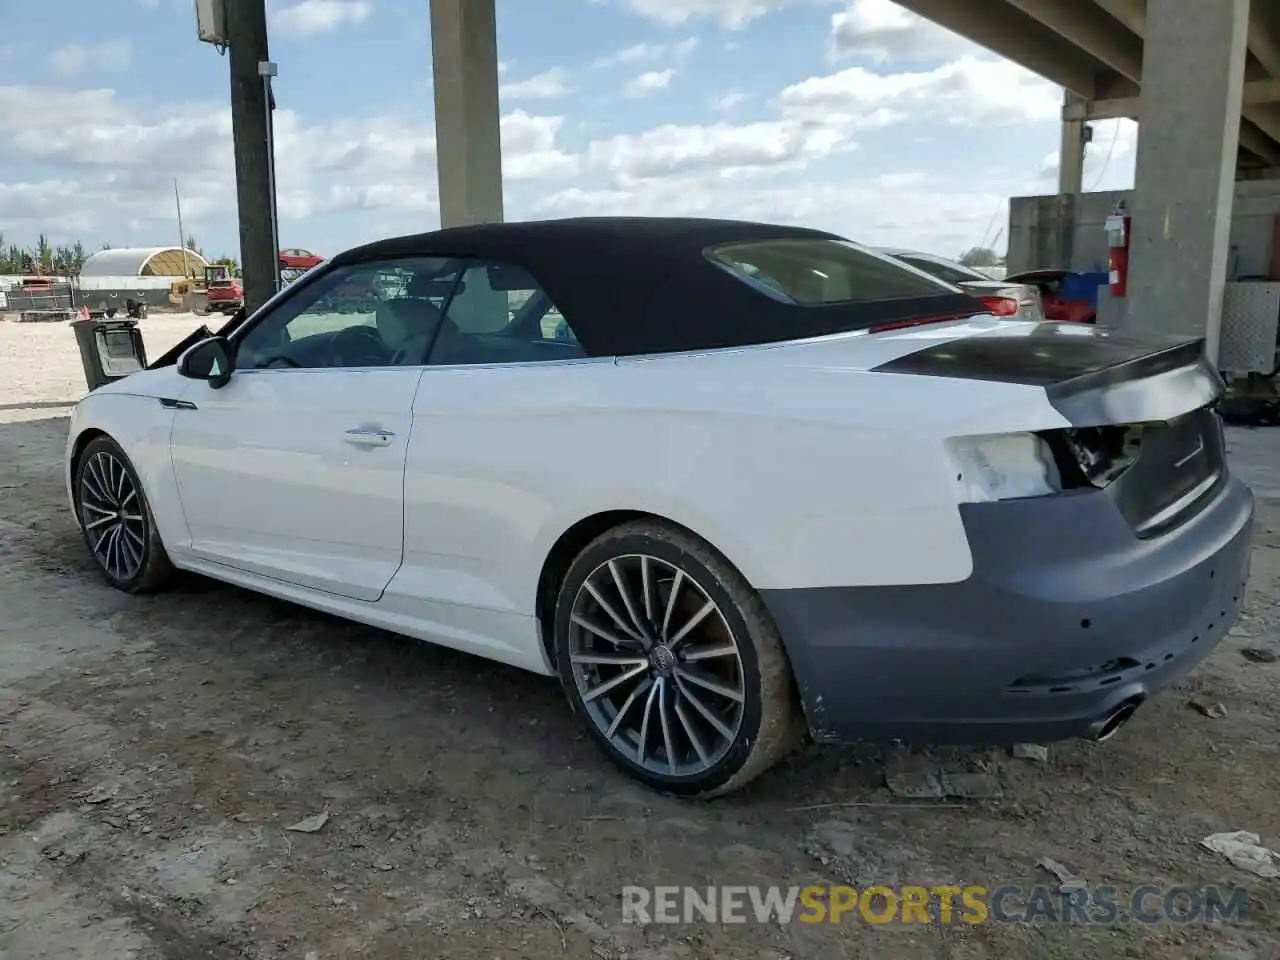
(113, 516)
(657, 666)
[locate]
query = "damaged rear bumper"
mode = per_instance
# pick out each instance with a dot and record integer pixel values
(1066, 618)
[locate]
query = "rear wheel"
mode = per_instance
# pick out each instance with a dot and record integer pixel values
(116, 520)
(670, 658)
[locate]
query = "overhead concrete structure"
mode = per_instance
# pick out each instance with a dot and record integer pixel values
(1202, 78)
(143, 262)
(1096, 50)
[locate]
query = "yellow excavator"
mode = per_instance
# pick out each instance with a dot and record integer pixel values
(190, 294)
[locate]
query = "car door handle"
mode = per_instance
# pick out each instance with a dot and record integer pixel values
(369, 437)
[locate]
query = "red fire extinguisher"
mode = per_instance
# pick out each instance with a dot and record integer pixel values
(1118, 228)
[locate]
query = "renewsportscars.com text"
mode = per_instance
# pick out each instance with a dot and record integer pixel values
(973, 904)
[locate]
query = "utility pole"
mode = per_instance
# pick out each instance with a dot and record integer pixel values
(246, 35)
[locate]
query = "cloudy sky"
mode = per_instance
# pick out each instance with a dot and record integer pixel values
(853, 116)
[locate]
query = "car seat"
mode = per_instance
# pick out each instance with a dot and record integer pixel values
(407, 325)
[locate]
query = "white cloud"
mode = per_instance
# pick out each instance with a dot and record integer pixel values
(732, 14)
(882, 30)
(755, 169)
(636, 53)
(529, 148)
(731, 99)
(310, 17)
(968, 91)
(1108, 159)
(684, 48)
(649, 53)
(730, 150)
(819, 117)
(106, 164)
(541, 86)
(912, 212)
(76, 58)
(649, 82)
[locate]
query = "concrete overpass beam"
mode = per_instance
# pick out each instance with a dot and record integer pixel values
(1132, 13)
(1186, 164)
(1090, 28)
(464, 52)
(1263, 42)
(1015, 36)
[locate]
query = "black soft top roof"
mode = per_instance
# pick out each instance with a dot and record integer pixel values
(637, 285)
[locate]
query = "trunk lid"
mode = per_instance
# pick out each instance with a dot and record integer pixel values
(1141, 410)
(1030, 302)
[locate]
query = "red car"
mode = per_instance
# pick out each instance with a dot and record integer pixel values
(1065, 295)
(296, 259)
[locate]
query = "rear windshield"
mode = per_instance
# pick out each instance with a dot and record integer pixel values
(816, 272)
(943, 271)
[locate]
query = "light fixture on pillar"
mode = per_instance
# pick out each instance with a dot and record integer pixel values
(267, 70)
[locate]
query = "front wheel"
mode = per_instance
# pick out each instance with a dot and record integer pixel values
(671, 659)
(116, 520)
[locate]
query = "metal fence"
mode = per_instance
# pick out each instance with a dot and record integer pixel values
(57, 296)
(58, 300)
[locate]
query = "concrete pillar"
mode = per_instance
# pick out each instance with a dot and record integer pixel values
(1071, 149)
(246, 28)
(1192, 82)
(464, 52)
(1075, 137)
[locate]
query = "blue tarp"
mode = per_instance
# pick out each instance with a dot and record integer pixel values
(1082, 287)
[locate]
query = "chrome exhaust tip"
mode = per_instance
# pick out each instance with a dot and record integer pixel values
(1105, 728)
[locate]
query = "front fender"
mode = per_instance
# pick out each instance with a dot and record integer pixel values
(142, 427)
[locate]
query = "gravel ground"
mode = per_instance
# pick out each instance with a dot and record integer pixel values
(152, 751)
(40, 365)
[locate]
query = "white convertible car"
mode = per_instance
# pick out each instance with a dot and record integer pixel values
(731, 482)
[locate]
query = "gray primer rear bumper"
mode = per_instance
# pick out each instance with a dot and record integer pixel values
(1066, 616)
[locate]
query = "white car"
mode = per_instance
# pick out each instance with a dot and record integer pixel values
(1020, 300)
(731, 482)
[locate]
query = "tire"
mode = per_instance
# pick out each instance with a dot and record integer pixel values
(104, 479)
(755, 730)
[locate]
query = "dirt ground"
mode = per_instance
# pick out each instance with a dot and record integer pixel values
(40, 365)
(154, 749)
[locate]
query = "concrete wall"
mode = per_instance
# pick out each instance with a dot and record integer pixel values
(1067, 231)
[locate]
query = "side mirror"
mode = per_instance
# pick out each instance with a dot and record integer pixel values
(209, 360)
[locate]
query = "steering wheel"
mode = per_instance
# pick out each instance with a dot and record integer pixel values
(358, 347)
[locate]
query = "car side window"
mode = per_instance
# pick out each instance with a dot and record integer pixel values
(376, 314)
(499, 314)
(942, 271)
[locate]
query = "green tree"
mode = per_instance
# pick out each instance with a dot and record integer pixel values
(69, 259)
(42, 254)
(980, 257)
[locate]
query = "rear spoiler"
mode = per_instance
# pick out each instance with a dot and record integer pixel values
(1133, 366)
(1092, 376)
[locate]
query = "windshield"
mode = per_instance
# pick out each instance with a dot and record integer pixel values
(947, 272)
(821, 272)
